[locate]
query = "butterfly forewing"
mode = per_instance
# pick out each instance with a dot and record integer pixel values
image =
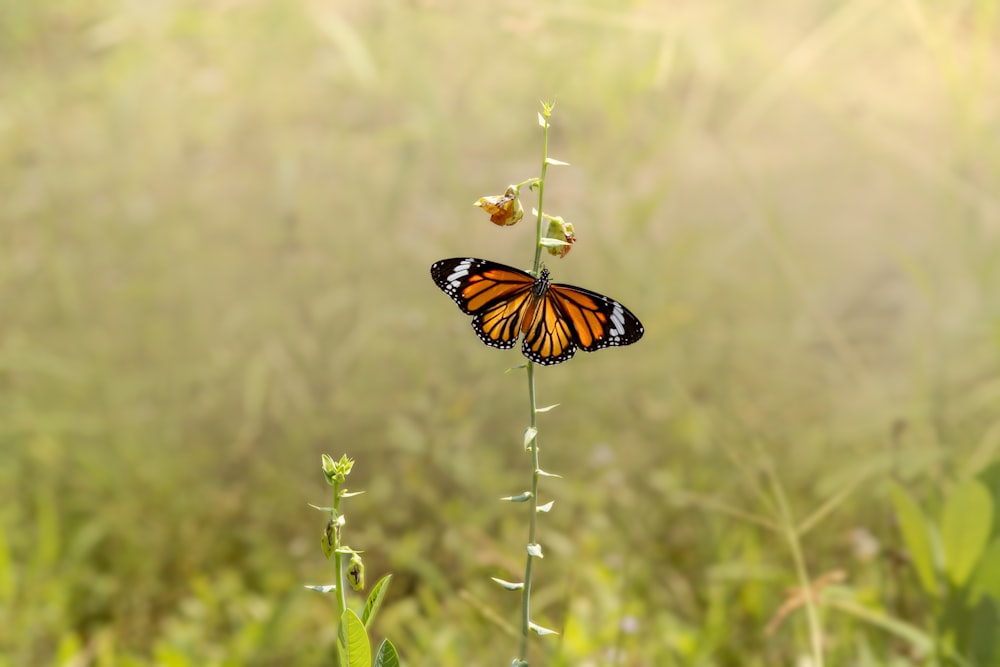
(476, 284)
(495, 294)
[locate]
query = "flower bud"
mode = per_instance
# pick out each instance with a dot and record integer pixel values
(560, 230)
(356, 572)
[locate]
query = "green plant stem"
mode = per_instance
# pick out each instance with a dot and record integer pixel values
(541, 198)
(805, 583)
(533, 421)
(532, 521)
(338, 558)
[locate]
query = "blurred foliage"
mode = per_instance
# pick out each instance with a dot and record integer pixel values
(216, 222)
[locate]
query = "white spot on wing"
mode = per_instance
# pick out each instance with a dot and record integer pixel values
(453, 278)
(618, 317)
(461, 270)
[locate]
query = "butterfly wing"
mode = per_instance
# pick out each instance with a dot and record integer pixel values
(597, 321)
(550, 338)
(556, 319)
(495, 294)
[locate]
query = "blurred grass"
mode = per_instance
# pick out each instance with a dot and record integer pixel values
(216, 224)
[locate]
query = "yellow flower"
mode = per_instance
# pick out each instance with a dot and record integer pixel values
(505, 209)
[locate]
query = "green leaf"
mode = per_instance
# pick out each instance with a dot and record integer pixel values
(913, 526)
(539, 630)
(8, 572)
(328, 588)
(978, 634)
(535, 550)
(965, 529)
(375, 599)
(352, 642)
(547, 242)
(509, 585)
(990, 476)
(386, 656)
(546, 507)
(916, 637)
(321, 509)
(987, 580)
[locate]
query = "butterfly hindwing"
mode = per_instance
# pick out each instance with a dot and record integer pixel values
(500, 324)
(550, 338)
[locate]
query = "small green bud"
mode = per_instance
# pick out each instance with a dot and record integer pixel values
(328, 542)
(356, 572)
(560, 230)
(337, 472)
(344, 466)
(329, 469)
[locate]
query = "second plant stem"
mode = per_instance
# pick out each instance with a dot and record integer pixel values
(338, 557)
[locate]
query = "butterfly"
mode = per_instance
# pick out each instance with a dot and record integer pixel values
(555, 319)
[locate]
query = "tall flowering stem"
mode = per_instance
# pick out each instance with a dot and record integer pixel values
(534, 550)
(556, 235)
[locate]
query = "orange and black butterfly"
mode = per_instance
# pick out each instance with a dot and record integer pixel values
(555, 319)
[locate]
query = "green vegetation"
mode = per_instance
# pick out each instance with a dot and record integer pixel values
(216, 220)
(353, 643)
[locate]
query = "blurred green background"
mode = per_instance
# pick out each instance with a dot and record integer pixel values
(216, 223)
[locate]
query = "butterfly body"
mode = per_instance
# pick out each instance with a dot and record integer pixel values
(555, 318)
